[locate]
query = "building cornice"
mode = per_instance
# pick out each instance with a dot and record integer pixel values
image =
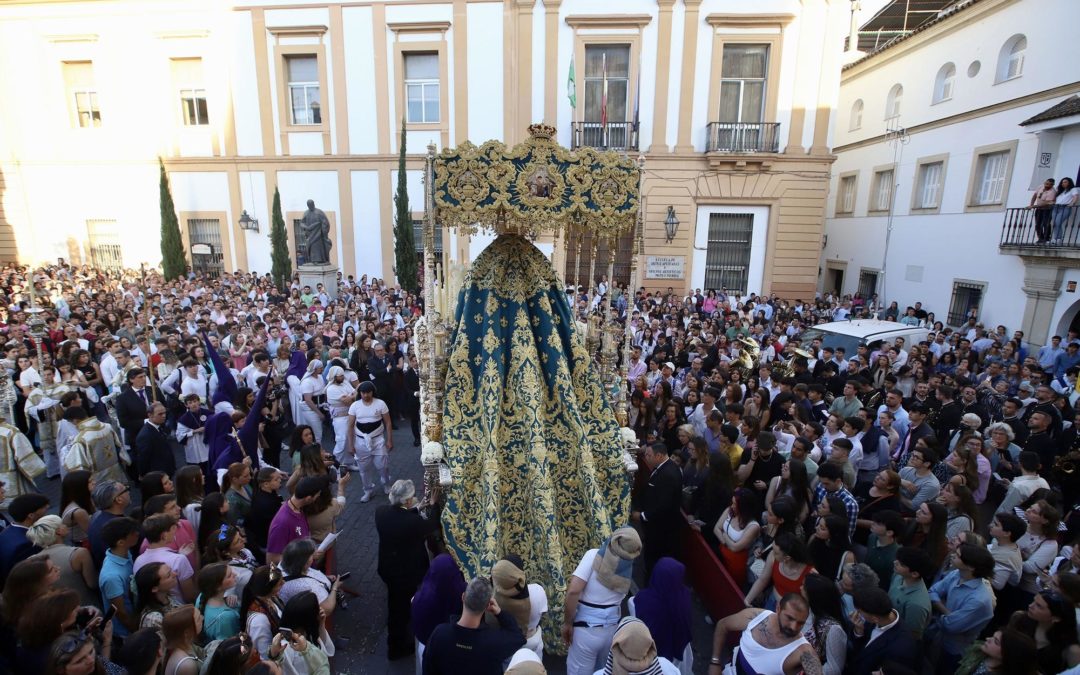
(720, 19)
(608, 20)
(297, 31)
(419, 26)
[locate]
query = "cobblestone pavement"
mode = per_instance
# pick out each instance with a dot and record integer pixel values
(360, 631)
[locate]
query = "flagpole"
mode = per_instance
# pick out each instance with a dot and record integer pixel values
(603, 102)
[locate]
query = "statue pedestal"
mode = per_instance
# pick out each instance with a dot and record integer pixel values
(315, 274)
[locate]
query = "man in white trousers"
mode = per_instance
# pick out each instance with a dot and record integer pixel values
(371, 440)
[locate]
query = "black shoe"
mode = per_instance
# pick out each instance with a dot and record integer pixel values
(416, 443)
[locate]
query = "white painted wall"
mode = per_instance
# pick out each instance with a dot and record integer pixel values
(204, 191)
(253, 198)
(414, 183)
(306, 143)
(245, 98)
(485, 68)
(367, 224)
(360, 72)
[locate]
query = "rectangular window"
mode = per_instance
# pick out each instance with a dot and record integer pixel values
(881, 196)
(187, 77)
(607, 66)
(929, 185)
(580, 261)
(727, 261)
(422, 94)
(742, 88)
(82, 94)
(845, 202)
(207, 257)
(867, 283)
(104, 240)
(990, 178)
(966, 301)
(305, 105)
(418, 239)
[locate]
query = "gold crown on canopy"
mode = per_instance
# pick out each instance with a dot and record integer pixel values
(541, 130)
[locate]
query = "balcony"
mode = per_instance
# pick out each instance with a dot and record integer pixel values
(743, 137)
(618, 136)
(1055, 235)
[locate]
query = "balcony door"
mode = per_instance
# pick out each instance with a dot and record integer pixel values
(607, 64)
(743, 71)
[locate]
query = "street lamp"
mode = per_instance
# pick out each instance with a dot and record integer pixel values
(247, 222)
(671, 224)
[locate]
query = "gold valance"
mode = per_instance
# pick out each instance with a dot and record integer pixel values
(535, 187)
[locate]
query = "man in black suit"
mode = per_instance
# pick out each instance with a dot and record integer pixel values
(403, 560)
(660, 514)
(411, 403)
(153, 450)
(131, 406)
(892, 643)
(25, 510)
(380, 366)
(949, 414)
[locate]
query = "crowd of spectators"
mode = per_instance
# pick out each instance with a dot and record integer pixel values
(903, 508)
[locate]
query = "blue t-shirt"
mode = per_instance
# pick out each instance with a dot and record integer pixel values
(219, 622)
(115, 581)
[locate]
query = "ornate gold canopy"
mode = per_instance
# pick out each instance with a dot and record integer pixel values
(535, 187)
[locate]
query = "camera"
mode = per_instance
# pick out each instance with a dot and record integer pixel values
(278, 391)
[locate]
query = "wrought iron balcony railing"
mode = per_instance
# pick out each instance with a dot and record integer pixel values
(743, 137)
(610, 136)
(1026, 228)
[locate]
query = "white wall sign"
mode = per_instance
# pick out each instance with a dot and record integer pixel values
(665, 267)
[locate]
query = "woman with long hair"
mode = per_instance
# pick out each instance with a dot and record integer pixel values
(154, 583)
(76, 504)
(190, 489)
(215, 509)
(757, 406)
(181, 628)
(645, 424)
(737, 529)
(1039, 546)
(830, 547)
(968, 460)
(237, 488)
(668, 428)
(884, 495)
(220, 619)
(260, 607)
(748, 432)
(696, 468)
(825, 631)
(230, 547)
(714, 495)
(44, 620)
(793, 482)
(1055, 627)
(77, 653)
(306, 619)
(1008, 651)
(928, 530)
(785, 569)
(302, 436)
(155, 483)
(963, 514)
(28, 580)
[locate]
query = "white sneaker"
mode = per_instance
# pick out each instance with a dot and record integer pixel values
(366, 497)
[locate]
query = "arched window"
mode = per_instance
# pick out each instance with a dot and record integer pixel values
(892, 103)
(943, 84)
(856, 115)
(1011, 58)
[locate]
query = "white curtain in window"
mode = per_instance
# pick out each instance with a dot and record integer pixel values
(883, 198)
(992, 177)
(930, 187)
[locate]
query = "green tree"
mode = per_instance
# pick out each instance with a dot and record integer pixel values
(173, 261)
(280, 263)
(405, 264)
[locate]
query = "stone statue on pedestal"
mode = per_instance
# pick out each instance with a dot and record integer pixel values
(315, 235)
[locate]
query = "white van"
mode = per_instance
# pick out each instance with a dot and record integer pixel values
(851, 334)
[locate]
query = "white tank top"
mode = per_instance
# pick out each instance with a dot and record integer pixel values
(753, 659)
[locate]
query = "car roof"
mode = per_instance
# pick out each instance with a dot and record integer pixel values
(869, 328)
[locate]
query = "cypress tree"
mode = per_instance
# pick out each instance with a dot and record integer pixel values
(173, 261)
(280, 263)
(405, 264)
